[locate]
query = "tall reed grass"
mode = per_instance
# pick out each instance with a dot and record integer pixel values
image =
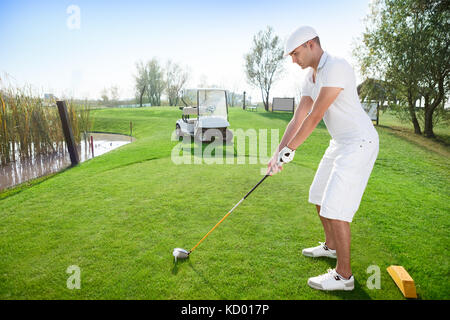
(31, 126)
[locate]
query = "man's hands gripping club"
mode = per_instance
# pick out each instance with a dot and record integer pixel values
(279, 158)
(285, 155)
(305, 119)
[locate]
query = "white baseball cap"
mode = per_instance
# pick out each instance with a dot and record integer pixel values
(299, 37)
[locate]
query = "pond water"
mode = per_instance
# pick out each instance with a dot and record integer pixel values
(23, 170)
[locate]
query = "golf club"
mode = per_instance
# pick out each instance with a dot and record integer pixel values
(180, 253)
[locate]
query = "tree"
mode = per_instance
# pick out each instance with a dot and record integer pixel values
(203, 83)
(234, 96)
(104, 95)
(264, 62)
(435, 86)
(376, 90)
(141, 81)
(114, 94)
(110, 96)
(176, 79)
(155, 82)
(406, 43)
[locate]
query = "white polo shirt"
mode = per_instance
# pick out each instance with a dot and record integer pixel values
(345, 119)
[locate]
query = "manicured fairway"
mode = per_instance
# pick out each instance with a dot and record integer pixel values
(119, 216)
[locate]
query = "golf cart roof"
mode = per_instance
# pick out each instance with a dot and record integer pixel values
(196, 91)
(197, 96)
(211, 103)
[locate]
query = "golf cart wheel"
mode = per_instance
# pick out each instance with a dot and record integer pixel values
(227, 136)
(199, 136)
(178, 131)
(211, 135)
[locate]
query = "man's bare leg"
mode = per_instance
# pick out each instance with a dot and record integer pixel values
(342, 236)
(329, 238)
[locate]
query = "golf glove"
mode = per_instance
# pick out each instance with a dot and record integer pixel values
(285, 155)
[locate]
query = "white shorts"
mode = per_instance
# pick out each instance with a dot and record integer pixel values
(342, 176)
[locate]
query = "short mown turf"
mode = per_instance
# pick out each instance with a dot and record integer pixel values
(119, 216)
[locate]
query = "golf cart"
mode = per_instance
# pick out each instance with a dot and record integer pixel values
(211, 113)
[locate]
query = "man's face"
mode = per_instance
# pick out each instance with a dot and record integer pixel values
(301, 55)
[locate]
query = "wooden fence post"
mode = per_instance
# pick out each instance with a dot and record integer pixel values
(378, 111)
(68, 135)
(92, 146)
(131, 131)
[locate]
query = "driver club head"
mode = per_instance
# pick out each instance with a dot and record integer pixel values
(180, 253)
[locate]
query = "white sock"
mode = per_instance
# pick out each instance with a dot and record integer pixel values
(343, 278)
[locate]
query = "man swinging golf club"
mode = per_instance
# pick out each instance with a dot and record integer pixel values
(329, 93)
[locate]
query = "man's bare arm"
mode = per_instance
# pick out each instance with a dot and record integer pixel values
(300, 115)
(326, 97)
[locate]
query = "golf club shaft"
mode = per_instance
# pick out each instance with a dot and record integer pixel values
(256, 186)
(229, 212)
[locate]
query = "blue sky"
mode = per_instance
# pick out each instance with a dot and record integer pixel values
(208, 37)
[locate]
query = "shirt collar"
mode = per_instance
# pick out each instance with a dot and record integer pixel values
(323, 59)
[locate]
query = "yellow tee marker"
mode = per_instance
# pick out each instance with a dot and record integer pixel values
(403, 280)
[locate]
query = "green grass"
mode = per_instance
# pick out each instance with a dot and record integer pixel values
(119, 216)
(441, 130)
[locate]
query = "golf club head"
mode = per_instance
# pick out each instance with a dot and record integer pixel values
(180, 253)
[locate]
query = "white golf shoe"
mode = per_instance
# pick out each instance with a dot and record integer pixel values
(320, 251)
(331, 281)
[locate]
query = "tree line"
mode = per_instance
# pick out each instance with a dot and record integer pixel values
(152, 80)
(404, 53)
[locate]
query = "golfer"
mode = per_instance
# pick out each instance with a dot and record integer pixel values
(329, 93)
